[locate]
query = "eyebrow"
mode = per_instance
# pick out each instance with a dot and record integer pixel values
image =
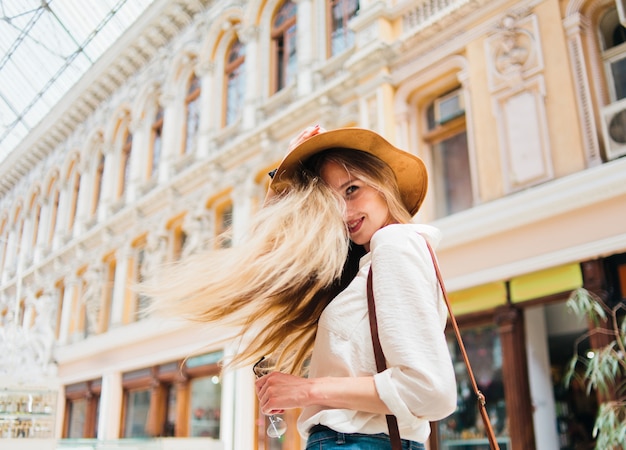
(347, 183)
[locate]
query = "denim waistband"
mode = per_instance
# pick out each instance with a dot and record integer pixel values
(323, 431)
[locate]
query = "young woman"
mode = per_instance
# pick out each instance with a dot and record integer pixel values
(341, 202)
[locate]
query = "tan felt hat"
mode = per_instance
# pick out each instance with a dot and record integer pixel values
(410, 170)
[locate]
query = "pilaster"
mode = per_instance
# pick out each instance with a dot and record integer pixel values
(510, 321)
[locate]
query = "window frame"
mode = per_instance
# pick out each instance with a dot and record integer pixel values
(90, 391)
(346, 31)
(237, 67)
(192, 99)
(160, 380)
(280, 47)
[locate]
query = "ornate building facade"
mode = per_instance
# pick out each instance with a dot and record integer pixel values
(517, 108)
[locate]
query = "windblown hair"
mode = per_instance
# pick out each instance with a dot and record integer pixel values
(274, 283)
(278, 279)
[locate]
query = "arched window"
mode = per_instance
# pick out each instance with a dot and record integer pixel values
(447, 136)
(284, 45)
(235, 81)
(125, 162)
(98, 181)
(341, 37)
(157, 143)
(192, 118)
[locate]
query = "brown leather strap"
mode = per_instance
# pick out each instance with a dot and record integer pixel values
(392, 422)
(491, 436)
(394, 432)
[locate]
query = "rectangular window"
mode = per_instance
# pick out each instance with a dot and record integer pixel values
(205, 407)
(137, 408)
(453, 183)
(82, 405)
(77, 416)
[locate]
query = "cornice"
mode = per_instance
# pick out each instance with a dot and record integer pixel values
(570, 193)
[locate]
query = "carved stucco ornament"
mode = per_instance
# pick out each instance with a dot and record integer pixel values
(513, 51)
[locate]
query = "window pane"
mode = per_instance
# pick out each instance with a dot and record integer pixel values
(193, 119)
(618, 69)
(77, 418)
(137, 406)
(170, 423)
(235, 93)
(342, 11)
(206, 399)
(465, 426)
(453, 178)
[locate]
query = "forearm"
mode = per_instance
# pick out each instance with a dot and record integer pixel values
(357, 394)
(279, 391)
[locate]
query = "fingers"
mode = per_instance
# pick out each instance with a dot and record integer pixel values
(305, 134)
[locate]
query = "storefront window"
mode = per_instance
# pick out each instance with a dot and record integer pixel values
(77, 418)
(464, 430)
(138, 405)
(205, 407)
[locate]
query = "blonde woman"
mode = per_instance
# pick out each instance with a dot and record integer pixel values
(341, 202)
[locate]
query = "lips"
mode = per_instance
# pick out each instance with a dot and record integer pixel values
(355, 225)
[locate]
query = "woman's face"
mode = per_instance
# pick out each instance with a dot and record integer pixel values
(366, 208)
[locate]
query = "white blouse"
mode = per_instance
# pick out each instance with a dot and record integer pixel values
(419, 384)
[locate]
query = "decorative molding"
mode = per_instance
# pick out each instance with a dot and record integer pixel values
(514, 51)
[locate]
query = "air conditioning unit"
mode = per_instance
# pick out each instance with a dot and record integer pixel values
(614, 129)
(449, 106)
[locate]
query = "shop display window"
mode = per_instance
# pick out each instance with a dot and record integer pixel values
(77, 413)
(464, 430)
(138, 405)
(205, 406)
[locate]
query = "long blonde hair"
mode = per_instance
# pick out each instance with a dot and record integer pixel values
(276, 281)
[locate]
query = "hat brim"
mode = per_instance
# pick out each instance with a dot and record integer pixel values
(410, 171)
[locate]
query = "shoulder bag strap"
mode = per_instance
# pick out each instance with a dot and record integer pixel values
(392, 422)
(381, 364)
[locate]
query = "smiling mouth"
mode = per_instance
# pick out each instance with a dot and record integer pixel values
(354, 225)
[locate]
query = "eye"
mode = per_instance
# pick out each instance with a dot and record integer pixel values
(351, 190)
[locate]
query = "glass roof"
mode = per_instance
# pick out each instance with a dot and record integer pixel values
(45, 48)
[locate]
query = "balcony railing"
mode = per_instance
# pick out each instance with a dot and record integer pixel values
(424, 13)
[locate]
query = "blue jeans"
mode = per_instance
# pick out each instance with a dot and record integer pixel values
(327, 439)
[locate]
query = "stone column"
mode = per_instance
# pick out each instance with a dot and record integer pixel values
(305, 44)
(575, 26)
(110, 178)
(111, 401)
(210, 108)
(140, 128)
(67, 307)
(85, 194)
(120, 288)
(250, 37)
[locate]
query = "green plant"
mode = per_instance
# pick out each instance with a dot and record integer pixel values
(605, 372)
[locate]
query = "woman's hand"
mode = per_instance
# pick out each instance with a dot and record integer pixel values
(305, 134)
(280, 391)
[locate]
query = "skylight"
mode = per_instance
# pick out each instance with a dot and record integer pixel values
(45, 48)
